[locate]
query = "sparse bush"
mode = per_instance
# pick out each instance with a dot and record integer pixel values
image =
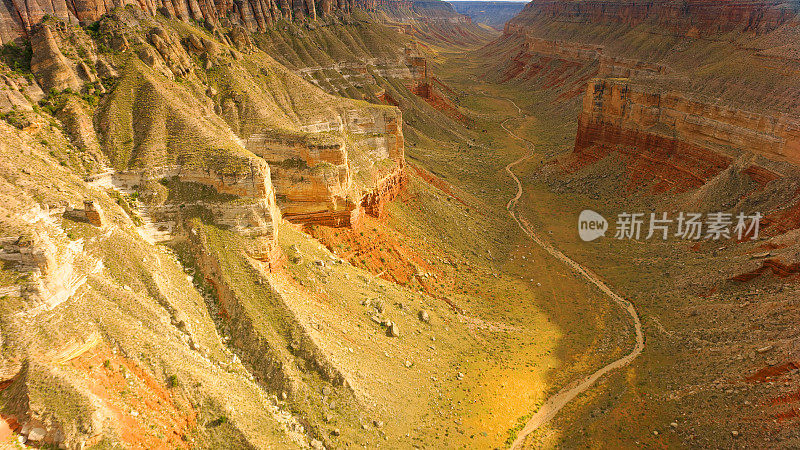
(93, 29)
(17, 56)
(219, 421)
(16, 119)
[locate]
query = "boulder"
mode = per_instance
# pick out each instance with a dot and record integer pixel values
(37, 435)
(424, 316)
(105, 70)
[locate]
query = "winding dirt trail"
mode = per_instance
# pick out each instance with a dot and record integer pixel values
(554, 404)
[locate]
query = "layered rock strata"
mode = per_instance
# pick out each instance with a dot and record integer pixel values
(691, 17)
(319, 178)
(616, 113)
(17, 19)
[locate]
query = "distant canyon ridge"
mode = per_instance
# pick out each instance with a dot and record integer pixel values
(493, 14)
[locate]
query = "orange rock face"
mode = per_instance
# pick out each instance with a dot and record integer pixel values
(676, 144)
(429, 89)
(373, 202)
(18, 18)
(324, 178)
(616, 113)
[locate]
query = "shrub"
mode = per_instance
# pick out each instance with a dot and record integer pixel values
(16, 119)
(17, 56)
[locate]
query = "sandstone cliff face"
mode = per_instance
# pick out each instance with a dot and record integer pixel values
(313, 180)
(676, 142)
(325, 179)
(17, 19)
(618, 114)
(751, 45)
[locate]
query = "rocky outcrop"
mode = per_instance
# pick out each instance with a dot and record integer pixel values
(319, 177)
(429, 89)
(312, 179)
(55, 267)
(246, 205)
(171, 50)
(17, 19)
(90, 213)
(616, 113)
(374, 202)
(48, 64)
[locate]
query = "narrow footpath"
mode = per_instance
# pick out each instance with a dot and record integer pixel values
(554, 404)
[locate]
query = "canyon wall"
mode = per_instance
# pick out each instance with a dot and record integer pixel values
(693, 17)
(435, 10)
(617, 113)
(18, 18)
(741, 52)
(677, 142)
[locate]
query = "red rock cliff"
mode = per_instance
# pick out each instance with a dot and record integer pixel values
(684, 17)
(626, 109)
(18, 17)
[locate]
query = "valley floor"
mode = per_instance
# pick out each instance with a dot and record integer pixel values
(591, 330)
(691, 385)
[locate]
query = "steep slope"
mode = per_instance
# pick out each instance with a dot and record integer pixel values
(386, 62)
(164, 132)
(258, 15)
(98, 347)
(739, 52)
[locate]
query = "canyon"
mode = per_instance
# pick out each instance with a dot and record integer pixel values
(286, 223)
(493, 14)
(185, 166)
(658, 117)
